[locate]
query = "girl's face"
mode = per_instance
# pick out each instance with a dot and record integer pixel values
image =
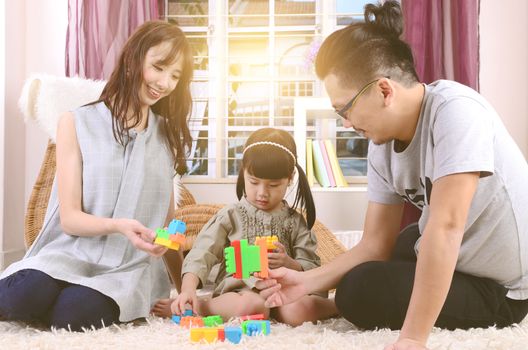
(264, 194)
(159, 80)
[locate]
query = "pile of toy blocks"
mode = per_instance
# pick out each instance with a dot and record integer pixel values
(173, 236)
(210, 329)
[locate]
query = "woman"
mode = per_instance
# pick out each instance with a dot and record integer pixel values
(94, 262)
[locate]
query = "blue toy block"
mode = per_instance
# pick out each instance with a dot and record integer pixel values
(252, 327)
(188, 312)
(233, 334)
(176, 226)
(176, 319)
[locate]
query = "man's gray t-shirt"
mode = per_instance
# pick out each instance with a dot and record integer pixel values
(457, 132)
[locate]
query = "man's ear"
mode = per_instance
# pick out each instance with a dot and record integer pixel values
(386, 87)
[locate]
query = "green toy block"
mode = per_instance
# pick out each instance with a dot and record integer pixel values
(250, 258)
(213, 321)
(162, 233)
(229, 254)
(252, 327)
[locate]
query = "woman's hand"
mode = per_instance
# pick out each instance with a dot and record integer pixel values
(284, 286)
(141, 237)
(279, 258)
(406, 344)
(185, 297)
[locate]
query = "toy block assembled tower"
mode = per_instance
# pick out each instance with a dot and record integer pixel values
(242, 259)
(173, 236)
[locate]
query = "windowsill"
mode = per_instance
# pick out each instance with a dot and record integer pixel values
(350, 188)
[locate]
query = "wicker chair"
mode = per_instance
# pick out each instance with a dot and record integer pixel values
(197, 215)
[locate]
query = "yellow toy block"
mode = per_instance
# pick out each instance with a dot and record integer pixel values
(197, 334)
(270, 241)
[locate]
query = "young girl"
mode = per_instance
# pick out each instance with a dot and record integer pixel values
(268, 166)
(94, 262)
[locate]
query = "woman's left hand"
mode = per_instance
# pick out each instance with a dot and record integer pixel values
(279, 258)
(406, 344)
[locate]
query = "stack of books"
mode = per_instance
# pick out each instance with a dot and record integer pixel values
(322, 164)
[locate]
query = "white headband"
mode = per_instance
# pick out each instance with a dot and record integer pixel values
(271, 144)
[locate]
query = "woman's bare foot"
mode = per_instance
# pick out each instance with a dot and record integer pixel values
(162, 308)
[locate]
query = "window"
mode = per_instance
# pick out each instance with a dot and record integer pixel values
(252, 58)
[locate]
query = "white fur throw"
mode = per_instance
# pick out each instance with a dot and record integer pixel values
(45, 98)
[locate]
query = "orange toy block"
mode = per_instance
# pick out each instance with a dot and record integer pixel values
(270, 242)
(191, 321)
(262, 243)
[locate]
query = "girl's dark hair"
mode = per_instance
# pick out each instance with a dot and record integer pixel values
(121, 93)
(361, 52)
(272, 162)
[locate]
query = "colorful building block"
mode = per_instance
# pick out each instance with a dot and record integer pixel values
(188, 312)
(209, 335)
(242, 259)
(213, 321)
(173, 236)
(270, 242)
(233, 334)
(176, 319)
(253, 327)
(191, 321)
(252, 317)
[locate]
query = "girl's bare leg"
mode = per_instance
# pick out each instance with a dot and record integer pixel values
(309, 308)
(234, 304)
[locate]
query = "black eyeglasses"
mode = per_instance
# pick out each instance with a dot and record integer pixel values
(342, 112)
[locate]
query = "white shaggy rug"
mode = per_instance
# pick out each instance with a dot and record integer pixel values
(337, 334)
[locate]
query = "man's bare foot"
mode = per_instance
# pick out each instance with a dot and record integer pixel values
(162, 308)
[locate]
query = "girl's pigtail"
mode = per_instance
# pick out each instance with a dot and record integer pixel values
(304, 198)
(240, 188)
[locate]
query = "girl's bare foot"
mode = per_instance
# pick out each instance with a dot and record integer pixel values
(162, 308)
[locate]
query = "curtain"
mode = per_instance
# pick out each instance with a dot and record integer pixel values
(444, 37)
(98, 29)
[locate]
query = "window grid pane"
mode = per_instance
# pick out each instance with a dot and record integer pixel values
(271, 46)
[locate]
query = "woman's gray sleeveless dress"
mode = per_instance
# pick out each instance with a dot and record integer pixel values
(117, 182)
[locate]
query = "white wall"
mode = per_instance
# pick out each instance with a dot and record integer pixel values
(504, 63)
(2, 117)
(13, 137)
(44, 19)
(34, 37)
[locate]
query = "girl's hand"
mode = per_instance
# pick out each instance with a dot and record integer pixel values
(406, 344)
(185, 297)
(280, 259)
(141, 237)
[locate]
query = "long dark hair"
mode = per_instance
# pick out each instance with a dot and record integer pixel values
(361, 52)
(121, 91)
(271, 162)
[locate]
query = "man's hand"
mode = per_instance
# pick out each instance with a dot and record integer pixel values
(284, 286)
